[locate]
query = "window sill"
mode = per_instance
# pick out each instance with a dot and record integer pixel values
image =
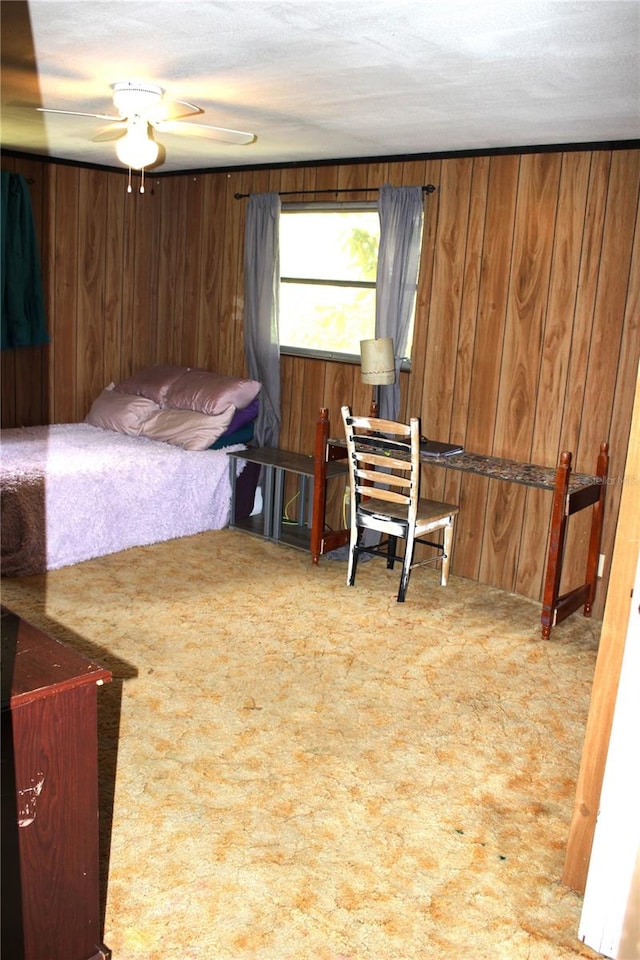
(332, 357)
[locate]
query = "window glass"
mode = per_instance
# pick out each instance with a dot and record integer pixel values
(328, 262)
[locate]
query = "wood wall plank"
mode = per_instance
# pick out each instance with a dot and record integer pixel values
(519, 398)
(448, 270)
(453, 487)
(193, 271)
(113, 279)
(494, 252)
(559, 324)
(528, 291)
(65, 269)
(90, 371)
(172, 260)
(471, 282)
(216, 281)
(558, 337)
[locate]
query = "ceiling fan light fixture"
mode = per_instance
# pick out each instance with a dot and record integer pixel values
(131, 97)
(141, 109)
(137, 149)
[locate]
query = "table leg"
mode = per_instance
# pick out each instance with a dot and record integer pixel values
(267, 504)
(597, 521)
(233, 471)
(556, 545)
(556, 608)
(310, 504)
(278, 503)
(302, 505)
(319, 485)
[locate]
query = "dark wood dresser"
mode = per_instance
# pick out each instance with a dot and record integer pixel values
(50, 865)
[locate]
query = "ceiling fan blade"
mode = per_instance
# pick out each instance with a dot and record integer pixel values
(77, 113)
(171, 110)
(186, 128)
(112, 132)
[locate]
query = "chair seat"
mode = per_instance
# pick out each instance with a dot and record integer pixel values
(429, 511)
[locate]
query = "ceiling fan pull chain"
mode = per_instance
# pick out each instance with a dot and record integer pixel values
(129, 190)
(142, 180)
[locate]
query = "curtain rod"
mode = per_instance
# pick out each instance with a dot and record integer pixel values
(427, 188)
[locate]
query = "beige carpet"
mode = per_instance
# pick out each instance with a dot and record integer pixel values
(307, 770)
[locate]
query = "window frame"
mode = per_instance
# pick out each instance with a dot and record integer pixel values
(310, 207)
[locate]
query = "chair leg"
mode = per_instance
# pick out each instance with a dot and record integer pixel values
(392, 546)
(406, 569)
(446, 560)
(353, 557)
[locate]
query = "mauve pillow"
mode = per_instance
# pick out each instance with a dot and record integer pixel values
(152, 382)
(210, 393)
(186, 428)
(244, 416)
(120, 412)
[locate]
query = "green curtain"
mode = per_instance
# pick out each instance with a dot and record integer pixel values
(24, 323)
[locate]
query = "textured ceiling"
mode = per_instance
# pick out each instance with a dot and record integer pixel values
(326, 79)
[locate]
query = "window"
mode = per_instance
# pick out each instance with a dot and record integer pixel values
(328, 262)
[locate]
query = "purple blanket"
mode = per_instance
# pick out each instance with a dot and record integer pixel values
(71, 492)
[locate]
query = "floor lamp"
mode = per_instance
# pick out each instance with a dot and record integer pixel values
(377, 366)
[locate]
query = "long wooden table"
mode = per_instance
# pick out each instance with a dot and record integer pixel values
(571, 492)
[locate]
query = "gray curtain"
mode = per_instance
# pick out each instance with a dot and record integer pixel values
(401, 214)
(261, 296)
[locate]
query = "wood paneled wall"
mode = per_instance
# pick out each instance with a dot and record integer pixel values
(526, 339)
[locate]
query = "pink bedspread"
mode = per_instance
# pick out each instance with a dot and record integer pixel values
(71, 492)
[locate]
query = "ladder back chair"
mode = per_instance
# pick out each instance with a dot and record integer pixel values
(384, 494)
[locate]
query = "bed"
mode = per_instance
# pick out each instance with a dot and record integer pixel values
(148, 464)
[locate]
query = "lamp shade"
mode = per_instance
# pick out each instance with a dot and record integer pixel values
(377, 362)
(136, 149)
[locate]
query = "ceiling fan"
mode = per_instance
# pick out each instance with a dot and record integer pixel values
(143, 108)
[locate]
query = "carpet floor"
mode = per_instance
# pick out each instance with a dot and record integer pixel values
(292, 768)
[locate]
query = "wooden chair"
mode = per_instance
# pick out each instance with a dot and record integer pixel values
(384, 488)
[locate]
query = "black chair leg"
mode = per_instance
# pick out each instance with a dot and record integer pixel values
(392, 546)
(354, 567)
(406, 572)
